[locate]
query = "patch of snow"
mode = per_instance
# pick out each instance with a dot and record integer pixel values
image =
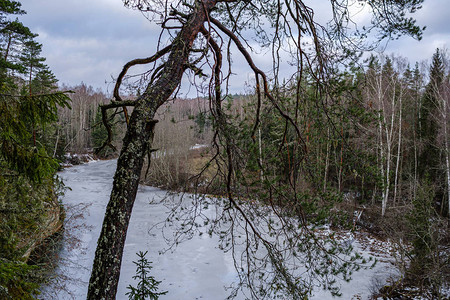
(199, 146)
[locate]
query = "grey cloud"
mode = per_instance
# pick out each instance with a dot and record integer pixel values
(90, 40)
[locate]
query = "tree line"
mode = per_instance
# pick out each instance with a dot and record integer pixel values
(374, 141)
(299, 152)
(39, 123)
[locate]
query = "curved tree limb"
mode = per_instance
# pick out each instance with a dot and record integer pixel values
(128, 65)
(138, 61)
(104, 108)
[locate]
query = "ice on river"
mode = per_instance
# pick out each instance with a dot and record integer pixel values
(195, 269)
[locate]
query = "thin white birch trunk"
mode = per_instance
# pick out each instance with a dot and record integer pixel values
(447, 163)
(446, 145)
(381, 145)
(57, 140)
(398, 146)
(388, 167)
(327, 157)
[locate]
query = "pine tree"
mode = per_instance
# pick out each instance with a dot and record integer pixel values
(12, 35)
(31, 61)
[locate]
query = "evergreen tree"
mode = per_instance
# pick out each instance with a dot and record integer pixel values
(27, 173)
(428, 128)
(31, 61)
(44, 82)
(147, 287)
(12, 35)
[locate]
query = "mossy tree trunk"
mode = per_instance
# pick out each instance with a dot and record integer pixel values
(108, 257)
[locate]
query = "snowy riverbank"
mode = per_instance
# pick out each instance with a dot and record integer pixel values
(196, 269)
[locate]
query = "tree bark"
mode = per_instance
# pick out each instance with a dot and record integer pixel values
(399, 146)
(108, 257)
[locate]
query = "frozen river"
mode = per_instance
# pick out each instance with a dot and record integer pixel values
(195, 269)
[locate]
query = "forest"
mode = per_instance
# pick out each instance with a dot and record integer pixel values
(360, 146)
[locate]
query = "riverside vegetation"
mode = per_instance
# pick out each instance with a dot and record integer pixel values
(370, 152)
(29, 205)
(378, 149)
(36, 130)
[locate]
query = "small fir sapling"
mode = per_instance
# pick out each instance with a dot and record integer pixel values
(147, 287)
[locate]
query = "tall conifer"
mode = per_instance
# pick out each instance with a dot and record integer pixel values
(428, 127)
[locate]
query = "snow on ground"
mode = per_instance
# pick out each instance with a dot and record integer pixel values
(195, 269)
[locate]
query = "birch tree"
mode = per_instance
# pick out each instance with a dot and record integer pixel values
(382, 92)
(445, 111)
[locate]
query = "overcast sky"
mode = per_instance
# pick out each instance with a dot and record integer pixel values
(90, 40)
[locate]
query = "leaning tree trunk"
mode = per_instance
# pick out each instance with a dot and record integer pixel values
(108, 257)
